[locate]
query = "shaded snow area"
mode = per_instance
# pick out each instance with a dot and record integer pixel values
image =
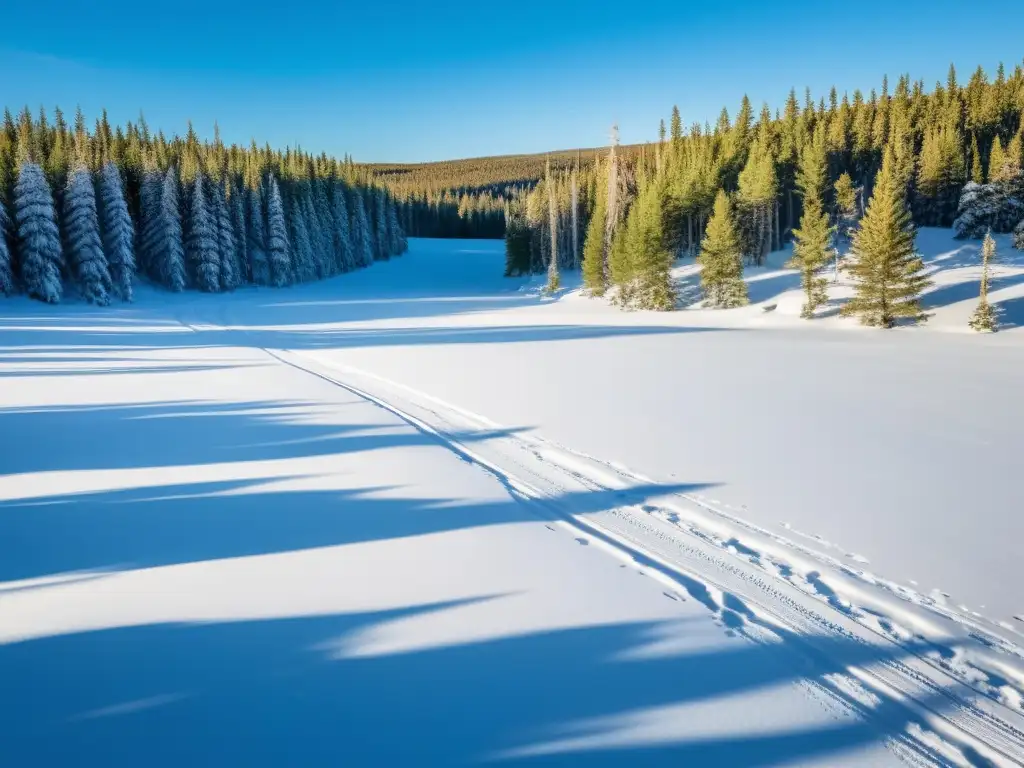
(420, 515)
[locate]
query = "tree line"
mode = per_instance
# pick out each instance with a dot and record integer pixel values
(866, 170)
(89, 209)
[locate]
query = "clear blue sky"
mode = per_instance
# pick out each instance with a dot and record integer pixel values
(412, 81)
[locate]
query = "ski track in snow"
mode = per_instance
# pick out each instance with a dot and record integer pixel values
(755, 583)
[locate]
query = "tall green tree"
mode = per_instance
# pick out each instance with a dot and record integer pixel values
(887, 272)
(721, 259)
(812, 241)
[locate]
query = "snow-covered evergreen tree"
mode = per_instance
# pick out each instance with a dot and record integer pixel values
(118, 232)
(6, 270)
(1018, 236)
(259, 262)
(39, 246)
(362, 241)
(397, 243)
(326, 261)
(984, 318)
(278, 248)
(225, 238)
(380, 225)
(237, 205)
(170, 252)
(343, 252)
(303, 255)
(150, 220)
(976, 211)
(721, 259)
(201, 245)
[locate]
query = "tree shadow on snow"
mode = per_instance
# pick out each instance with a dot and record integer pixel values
(278, 692)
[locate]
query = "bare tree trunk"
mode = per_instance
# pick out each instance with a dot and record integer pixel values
(689, 235)
(574, 203)
(553, 226)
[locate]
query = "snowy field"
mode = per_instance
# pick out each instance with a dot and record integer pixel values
(420, 515)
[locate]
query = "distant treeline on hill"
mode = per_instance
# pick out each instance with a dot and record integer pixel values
(468, 198)
(86, 209)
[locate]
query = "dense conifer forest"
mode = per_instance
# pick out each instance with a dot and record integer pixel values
(85, 210)
(863, 168)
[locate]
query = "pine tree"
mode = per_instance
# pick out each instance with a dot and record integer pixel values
(594, 268)
(721, 259)
(303, 256)
(201, 245)
(118, 232)
(150, 218)
(259, 264)
(984, 317)
(397, 244)
(1018, 236)
(225, 238)
(517, 241)
(39, 247)
(813, 239)
(6, 271)
(278, 248)
(887, 272)
(651, 257)
(342, 231)
(236, 203)
(171, 251)
(362, 241)
(977, 175)
(380, 232)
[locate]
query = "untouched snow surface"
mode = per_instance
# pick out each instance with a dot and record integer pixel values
(419, 515)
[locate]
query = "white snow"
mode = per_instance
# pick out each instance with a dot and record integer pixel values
(416, 515)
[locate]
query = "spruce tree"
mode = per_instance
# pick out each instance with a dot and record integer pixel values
(593, 248)
(303, 255)
(259, 263)
(813, 239)
(118, 232)
(380, 236)
(362, 240)
(811, 250)
(151, 219)
(977, 174)
(342, 230)
(651, 257)
(984, 317)
(171, 248)
(39, 248)
(6, 272)
(721, 259)
(236, 203)
(278, 249)
(201, 245)
(396, 238)
(225, 238)
(887, 273)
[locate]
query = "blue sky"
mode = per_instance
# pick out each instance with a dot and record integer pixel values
(413, 81)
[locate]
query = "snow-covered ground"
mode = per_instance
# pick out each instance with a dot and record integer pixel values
(421, 515)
